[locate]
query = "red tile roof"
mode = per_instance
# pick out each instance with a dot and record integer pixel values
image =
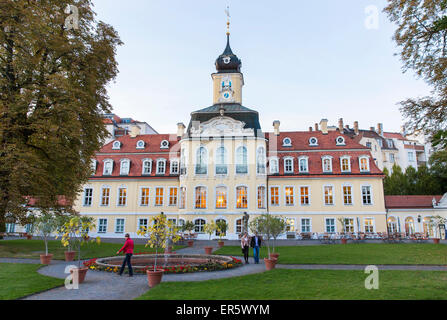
(410, 202)
(152, 144)
(61, 201)
(394, 135)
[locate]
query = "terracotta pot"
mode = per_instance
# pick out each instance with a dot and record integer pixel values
(79, 274)
(154, 278)
(274, 256)
(270, 263)
(190, 243)
(221, 244)
(344, 241)
(46, 258)
(436, 241)
(208, 250)
(69, 255)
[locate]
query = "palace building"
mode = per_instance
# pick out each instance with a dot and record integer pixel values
(223, 165)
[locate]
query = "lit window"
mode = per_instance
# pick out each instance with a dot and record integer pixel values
(328, 195)
(88, 197)
(274, 166)
(172, 196)
(345, 164)
(369, 225)
(304, 165)
(327, 164)
(349, 225)
(102, 226)
(290, 196)
(108, 167)
(305, 225)
(347, 195)
(119, 227)
(198, 225)
(122, 196)
(241, 160)
(330, 225)
(105, 196)
(221, 197)
(221, 161)
(201, 161)
(147, 167)
(241, 198)
(304, 195)
(144, 200)
(125, 166)
(288, 165)
(261, 197)
(290, 225)
(260, 161)
(200, 198)
(159, 196)
(366, 195)
(161, 166)
(182, 203)
(364, 164)
(274, 196)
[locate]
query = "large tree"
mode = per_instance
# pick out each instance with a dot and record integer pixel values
(53, 81)
(421, 36)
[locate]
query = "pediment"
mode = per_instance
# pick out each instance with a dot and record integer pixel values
(221, 126)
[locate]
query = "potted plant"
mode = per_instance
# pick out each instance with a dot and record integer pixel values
(434, 223)
(209, 229)
(60, 222)
(189, 226)
(278, 227)
(263, 225)
(158, 233)
(222, 227)
(343, 238)
(74, 231)
(45, 225)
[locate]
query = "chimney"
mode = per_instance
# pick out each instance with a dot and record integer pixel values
(380, 129)
(276, 125)
(180, 130)
(356, 127)
(310, 129)
(323, 124)
(340, 125)
(316, 127)
(135, 131)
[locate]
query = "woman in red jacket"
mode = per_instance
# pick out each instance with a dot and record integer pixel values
(128, 250)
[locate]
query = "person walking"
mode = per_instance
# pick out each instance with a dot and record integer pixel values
(256, 244)
(245, 246)
(128, 251)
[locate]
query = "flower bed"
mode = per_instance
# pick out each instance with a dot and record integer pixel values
(177, 268)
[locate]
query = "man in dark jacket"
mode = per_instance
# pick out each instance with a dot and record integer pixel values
(256, 244)
(128, 251)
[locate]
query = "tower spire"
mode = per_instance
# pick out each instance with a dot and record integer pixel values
(227, 11)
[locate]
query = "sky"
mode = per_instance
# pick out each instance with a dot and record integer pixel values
(302, 60)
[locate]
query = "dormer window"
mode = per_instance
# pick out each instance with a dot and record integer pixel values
(288, 165)
(116, 145)
(313, 142)
(94, 165)
(147, 166)
(161, 166)
(140, 144)
(287, 142)
(304, 164)
(327, 164)
(340, 141)
(125, 166)
(108, 167)
(274, 168)
(174, 166)
(364, 164)
(345, 164)
(164, 144)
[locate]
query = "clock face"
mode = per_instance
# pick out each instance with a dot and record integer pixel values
(226, 95)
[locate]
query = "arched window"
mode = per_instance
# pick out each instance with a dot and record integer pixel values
(409, 226)
(200, 198)
(392, 225)
(201, 161)
(147, 166)
(198, 225)
(221, 161)
(241, 198)
(327, 164)
(288, 165)
(260, 161)
(125, 166)
(345, 164)
(304, 165)
(221, 198)
(261, 197)
(364, 164)
(108, 167)
(218, 234)
(174, 166)
(161, 166)
(241, 160)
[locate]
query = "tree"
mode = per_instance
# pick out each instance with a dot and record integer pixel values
(45, 226)
(222, 227)
(422, 37)
(52, 94)
(210, 228)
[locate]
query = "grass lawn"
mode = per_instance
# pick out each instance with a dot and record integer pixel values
(19, 280)
(33, 249)
(281, 284)
(364, 253)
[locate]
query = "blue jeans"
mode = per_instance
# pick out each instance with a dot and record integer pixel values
(256, 254)
(127, 261)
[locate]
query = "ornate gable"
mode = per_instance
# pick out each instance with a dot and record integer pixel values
(220, 126)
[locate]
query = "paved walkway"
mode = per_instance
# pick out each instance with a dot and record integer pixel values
(110, 286)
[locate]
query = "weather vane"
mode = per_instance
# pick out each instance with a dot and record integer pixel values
(227, 11)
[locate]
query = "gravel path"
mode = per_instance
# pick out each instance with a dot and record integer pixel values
(361, 267)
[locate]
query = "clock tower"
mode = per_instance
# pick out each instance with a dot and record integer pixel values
(228, 80)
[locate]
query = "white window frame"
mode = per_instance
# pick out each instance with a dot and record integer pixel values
(102, 196)
(157, 197)
(348, 158)
(343, 194)
(270, 196)
(101, 226)
(206, 197)
(138, 145)
(284, 142)
(292, 197)
(264, 200)
(301, 224)
(276, 159)
(373, 225)
(205, 162)
(116, 225)
(182, 197)
(342, 141)
(194, 221)
(306, 159)
(116, 145)
(143, 167)
(171, 197)
(367, 163)
(308, 196)
(174, 163)
(164, 144)
(118, 196)
(333, 195)
(370, 192)
(226, 197)
(141, 197)
(326, 224)
(262, 165)
(124, 172)
(106, 161)
(286, 159)
(225, 164)
(159, 161)
(313, 144)
(236, 196)
(242, 165)
(330, 161)
(85, 197)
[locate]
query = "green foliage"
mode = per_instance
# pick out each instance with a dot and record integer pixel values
(45, 225)
(269, 226)
(188, 226)
(222, 227)
(210, 228)
(52, 94)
